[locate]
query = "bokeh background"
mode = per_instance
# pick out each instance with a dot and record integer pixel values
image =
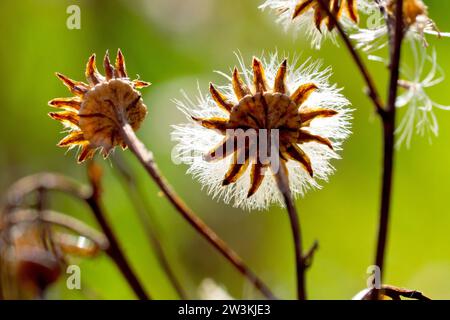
(174, 44)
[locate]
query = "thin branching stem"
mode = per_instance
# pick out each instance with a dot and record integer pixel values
(145, 214)
(114, 250)
(372, 89)
(387, 114)
(145, 157)
(395, 42)
(51, 217)
(56, 182)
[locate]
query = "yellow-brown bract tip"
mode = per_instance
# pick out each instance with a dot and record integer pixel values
(256, 60)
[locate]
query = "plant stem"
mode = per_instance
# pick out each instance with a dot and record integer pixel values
(396, 37)
(372, 90)
(114, 250)
(116, 253)
(283, 185)
(55, 182)
(143, 210)
(50, 217)
(387, 114)
(145, 157)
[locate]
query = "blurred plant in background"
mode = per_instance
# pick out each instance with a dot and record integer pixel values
(35, 243)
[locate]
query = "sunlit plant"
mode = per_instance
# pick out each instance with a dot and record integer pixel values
(265, 137)
(227, 142)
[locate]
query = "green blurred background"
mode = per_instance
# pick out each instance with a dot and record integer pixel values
(174, 44)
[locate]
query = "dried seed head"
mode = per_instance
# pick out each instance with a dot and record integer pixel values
(268, 118)
(311, 18)
(270, 110)
(416, 24)
(320, 14)
(35, 254)
(100, 107)
(412, 10)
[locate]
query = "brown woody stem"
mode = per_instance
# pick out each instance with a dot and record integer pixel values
(283, 185)
(145, 157)
(114, 250)
(143, 210)
(395, 42)
(55, 182)
(387, 114)
(372, 90)
(55, 218)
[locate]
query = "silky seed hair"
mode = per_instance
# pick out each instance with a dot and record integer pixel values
(307, 17)
(315, 122)
(417, 24)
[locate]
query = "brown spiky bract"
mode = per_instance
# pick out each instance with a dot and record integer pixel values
(264, 106)
(92, 115)
(411, 10)
(320, 15)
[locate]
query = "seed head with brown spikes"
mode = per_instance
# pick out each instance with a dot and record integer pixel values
(261, 106)
(33, 253)
(268, 117)
(320, 15)
(412, 9)
(93, 114)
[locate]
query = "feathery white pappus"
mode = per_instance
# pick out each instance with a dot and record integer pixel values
(318, 123)
(419, 115)
(417, 24)
(307, 17)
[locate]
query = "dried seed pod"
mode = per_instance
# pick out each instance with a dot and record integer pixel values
(99, 108)
(36, 269)
(412, 10)
(276, 119)
(312, 18)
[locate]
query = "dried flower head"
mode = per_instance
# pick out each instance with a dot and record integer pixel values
(420, 115)
(416, 20)
(387, 292)
(33, 255)
(413, 10)
(93, 116)
(30, 265)
(320, 14)
(268, 118)
(310, 17)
